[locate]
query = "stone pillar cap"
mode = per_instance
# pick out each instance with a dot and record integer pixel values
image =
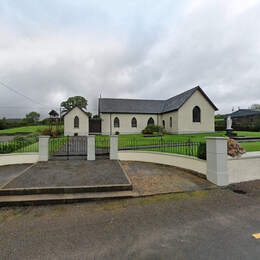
(217, 138)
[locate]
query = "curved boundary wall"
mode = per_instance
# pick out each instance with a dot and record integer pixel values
(18, 158)
(177, 160)
(246, 168)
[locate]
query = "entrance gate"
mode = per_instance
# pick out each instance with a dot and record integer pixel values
(102, 145)
(69, 147)
(76, 147)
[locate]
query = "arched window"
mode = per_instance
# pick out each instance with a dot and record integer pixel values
(196, 114)
(134, 122)
(163, 123)
(170, 121)
(76, 122)
(116, 122)
(150, 121)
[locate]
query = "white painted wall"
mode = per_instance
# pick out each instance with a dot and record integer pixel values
(18, 158)
(125, 123)
(166, 118)
(69, 129)
(244, 169)
(185, 123)
(182, 161)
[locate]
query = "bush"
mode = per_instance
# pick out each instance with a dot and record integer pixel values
(235, 149)
(18, 142)
(147, 132)
(46, 131)
(202, 151)
(53, 132)
(150, 129)
(7, 148)
(117, 133)
(26, 140)
(257, 125)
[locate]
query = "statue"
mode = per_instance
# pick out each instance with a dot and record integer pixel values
(229, 123)
(229, 127)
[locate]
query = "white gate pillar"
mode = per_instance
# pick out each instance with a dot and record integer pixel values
(217, 171)
(44, 148)
(91, 148)
(113, 147)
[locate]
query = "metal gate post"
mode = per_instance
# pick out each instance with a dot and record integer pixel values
(68, 147)
(91, 148)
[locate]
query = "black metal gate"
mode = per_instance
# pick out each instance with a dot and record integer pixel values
(102, 145)
(68, 147)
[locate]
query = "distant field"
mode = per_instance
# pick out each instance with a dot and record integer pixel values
(24, 129)
(219, 119)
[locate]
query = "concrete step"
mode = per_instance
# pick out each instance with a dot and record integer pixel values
(66, 189)
(45, 199)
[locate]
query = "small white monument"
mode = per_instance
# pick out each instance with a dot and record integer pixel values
(229, 123)
(229, 126)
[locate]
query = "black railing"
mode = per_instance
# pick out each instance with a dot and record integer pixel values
(168, 146)
(102, 145)
(19, 146)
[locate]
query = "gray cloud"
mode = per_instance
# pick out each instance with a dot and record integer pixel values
(57, 49)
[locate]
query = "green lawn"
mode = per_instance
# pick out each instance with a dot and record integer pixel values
(251, 146)
(32, 148)
(139, 139)
(245, 133)
(24, 129)
(185, 150)
(183, 137)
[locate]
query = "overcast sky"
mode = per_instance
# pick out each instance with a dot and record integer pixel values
(53, 49)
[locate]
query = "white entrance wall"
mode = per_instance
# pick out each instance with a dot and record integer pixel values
(18, 158)
(83, 128)
(246, 168)
(177, 160)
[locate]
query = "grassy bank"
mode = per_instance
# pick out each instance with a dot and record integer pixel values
(24, 129)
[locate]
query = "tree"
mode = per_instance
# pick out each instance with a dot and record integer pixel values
(89, 114)
(255, 106)
(72, 102)
(3, 123)
(32, 117)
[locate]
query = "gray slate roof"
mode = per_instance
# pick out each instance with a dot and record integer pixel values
(245, 112)
(143, 106)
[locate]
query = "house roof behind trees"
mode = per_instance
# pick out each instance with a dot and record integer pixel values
(244, 112)
(143, 106)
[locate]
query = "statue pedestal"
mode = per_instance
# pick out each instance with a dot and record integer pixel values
(229, 132)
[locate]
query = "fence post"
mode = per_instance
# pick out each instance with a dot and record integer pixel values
(43, 148)
(91, 148)
(217, 171)
(113, 147)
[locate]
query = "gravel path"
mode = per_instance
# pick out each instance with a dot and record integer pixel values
(71, 173)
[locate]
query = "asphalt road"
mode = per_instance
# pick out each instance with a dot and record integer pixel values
(214, 224)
